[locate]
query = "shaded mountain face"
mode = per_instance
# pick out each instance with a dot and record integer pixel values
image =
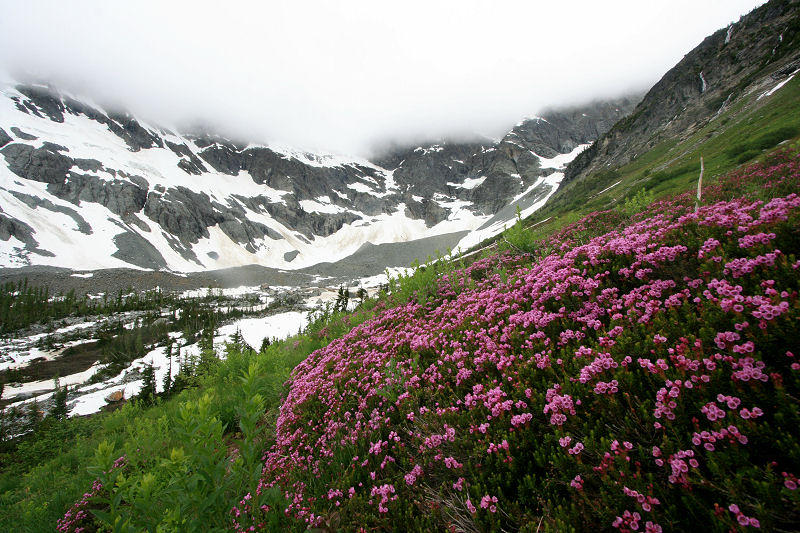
(486, 174)
(85, 187)
(761, 48)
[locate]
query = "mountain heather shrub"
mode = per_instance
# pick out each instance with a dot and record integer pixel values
(645, 379)
(641, 377)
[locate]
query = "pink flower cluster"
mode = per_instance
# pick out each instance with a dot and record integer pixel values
(743, 520)
(639, 321)
(77, 519)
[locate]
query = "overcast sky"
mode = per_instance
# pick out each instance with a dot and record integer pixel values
(344, 75)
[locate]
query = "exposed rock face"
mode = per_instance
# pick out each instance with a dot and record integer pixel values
(22, 135)
(21, 231)
(500, 170)
(763, 46)
(134, 249)
(37, 164)
(121, 197)
(268, 202)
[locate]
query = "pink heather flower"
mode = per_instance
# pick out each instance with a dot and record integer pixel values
(656, 451)
(521, 419)
(652, 527)
(412, 476)
(487, 502)
(575, 450)
(450, 462)
(471, 508)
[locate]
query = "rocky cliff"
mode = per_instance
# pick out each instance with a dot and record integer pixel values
(761, 48)
(89, 187)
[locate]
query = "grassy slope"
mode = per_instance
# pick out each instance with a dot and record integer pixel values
(673, 166)
(43, 475)
(454, 389)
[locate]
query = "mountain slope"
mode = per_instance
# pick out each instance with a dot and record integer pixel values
(643, 377)
(88, 188)
(731, 64)
(749, 105)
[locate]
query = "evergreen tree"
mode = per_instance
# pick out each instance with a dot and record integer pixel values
(185, 372)
(148, 392)
(342, 299)
(59, 409)
(33, 416)
(237, 340)
(264, 345)
(208, 356)
(361, 295)
(168, 376)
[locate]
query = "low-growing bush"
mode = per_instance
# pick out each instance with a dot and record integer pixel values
(745, 151)
(643, 379)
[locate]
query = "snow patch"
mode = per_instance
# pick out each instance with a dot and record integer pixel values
(360, 187)
(560, 161)
(469, 183)
(611, 187)
(320, 205)
(778, 86)
(255, 330)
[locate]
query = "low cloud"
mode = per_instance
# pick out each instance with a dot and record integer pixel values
(344, 76)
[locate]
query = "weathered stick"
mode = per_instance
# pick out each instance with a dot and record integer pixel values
(699, 186)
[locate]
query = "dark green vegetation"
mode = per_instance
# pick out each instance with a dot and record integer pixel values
(116, 345)
(22, 305)
(190, 453)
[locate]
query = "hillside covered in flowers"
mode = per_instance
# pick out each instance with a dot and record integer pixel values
(640, 371)
(637, 374)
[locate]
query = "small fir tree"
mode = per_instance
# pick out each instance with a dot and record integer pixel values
(148, 392)
(59, 409)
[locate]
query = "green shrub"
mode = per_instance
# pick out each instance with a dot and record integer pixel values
(762, 142)
(636, 203)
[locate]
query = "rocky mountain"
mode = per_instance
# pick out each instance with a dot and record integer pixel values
(86, 187)
(736, 62)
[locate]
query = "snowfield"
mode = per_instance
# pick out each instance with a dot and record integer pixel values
(81, 236)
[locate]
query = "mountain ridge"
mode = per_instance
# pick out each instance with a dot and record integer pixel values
(731, 63)
(197, 201)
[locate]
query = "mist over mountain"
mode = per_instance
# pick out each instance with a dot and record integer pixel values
(342, 78)
(101, 188)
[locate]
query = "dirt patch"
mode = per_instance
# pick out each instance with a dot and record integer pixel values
(71, 361)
